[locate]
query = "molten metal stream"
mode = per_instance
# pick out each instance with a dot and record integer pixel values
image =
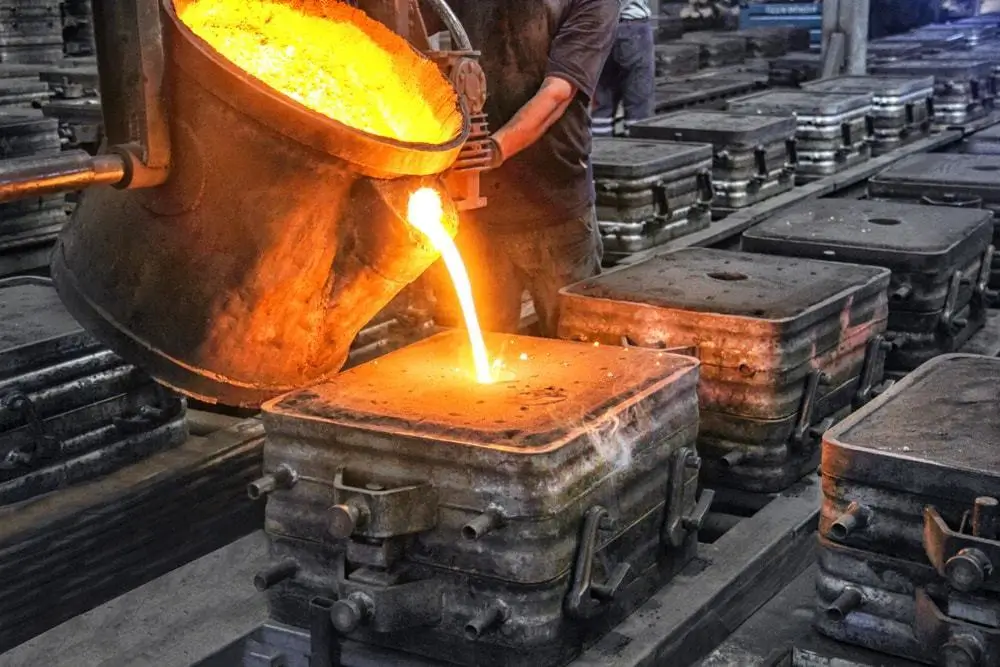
(425, 213)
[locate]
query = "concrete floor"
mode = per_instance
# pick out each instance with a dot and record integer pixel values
(173, 621)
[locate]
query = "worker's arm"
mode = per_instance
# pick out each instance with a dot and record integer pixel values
(576, 59)
(535, 118)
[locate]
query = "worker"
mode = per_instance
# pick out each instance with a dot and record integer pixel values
(538, 233)
(628, 75)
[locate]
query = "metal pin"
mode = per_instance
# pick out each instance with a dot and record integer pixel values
(856, 516)
(275, 574)
(849, 600)
(490, 618)
(283, 477)
(485, 523)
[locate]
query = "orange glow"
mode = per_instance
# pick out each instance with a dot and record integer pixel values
(425, 213)
(333, 59)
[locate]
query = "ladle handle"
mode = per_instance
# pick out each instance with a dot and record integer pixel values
(64, 172)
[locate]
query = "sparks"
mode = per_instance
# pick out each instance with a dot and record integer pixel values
(425, 214)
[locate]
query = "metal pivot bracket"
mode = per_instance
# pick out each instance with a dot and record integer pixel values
(792, 149)
(967, 561)
(705, 186)
(807, 431)
(983, 297)
(42, 446)
(367, 508)
(661, 201)
(385, 602)
(956, 643)
(760, 162)
(872, 374)
(587, 599)
(682, 493)
(950, 324)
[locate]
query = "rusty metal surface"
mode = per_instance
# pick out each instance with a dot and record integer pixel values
(294, 277)
(453, 518)
(908, 521)
(763, 327)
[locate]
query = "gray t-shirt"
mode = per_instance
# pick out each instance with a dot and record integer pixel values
(635, 10)
(522, 42)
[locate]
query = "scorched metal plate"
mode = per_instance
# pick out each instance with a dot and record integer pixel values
(552, 395)
(879, 86)
(783, 102)
(720, 128)
(621, 159)
(940, 178)
(901, 237)
(933, 434)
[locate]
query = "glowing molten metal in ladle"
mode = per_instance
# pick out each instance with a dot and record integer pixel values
(425, 213)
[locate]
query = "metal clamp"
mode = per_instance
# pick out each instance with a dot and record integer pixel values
(950, 324)
(792, 148)
(384, 601)
(661, 201)
(43, 445)
(807, 431)
(760, 161)
(872, 374)
(846, 136)
(370, 509)
(587, 599)
(983, 297)
(682, 493)
(957, 643)
(911, 114)
(705, 186)
(967, 561)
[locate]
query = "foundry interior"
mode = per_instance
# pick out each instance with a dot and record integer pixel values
(236, 429)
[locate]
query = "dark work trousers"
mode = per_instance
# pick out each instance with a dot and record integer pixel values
(627, 78)
(502, 265)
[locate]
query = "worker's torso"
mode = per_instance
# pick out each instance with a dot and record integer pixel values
(548, 182)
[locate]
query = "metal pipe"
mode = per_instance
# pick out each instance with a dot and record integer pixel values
(275, 574)
(856, 516)
(845, 603)
(283, 477)
(986, 518)
(459, 38)
(71, 170)
(732, 459)
(488, 619)
(486, 522)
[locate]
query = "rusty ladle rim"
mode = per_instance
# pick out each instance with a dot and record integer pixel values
(372, 155)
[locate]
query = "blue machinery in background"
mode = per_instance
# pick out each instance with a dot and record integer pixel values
(770, 14)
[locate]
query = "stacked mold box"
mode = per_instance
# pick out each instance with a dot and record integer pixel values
(78, 27)
(962, 181)
(910, 528)
(28, 227)
(778, 364)
(718, 49)
(30, 31)
(794, 69)
(940, 262)
(649, 192)
(901, 107)
(75, 103)
(707, 90)
(833, 131)
(754, 156)
(70, 410)
(774, 42)
(677, 59)
(962, 88)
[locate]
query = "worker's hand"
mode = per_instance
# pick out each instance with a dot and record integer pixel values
(495, 153)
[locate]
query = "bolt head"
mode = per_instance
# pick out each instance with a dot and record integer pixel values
(346, 616)
(961, 652)
(966, 570)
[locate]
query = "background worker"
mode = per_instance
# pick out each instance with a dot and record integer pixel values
(628, 75)
(542, 60)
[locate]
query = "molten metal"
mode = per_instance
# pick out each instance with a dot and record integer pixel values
(335, 60)
(425, 214)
